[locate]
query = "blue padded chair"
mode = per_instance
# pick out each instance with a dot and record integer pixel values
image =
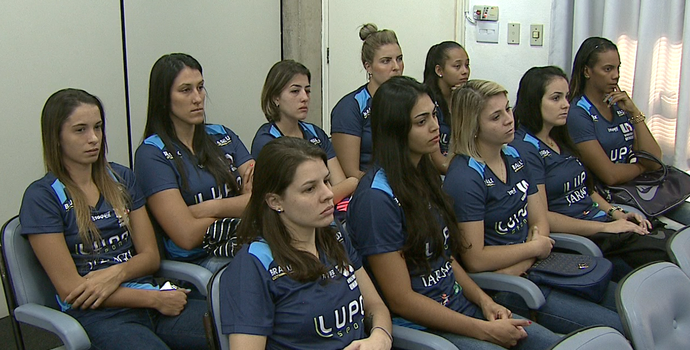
(31, 296)
(403, 338)
(653, 302)
(679, 249)
(593, 338)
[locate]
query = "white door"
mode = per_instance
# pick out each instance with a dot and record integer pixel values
(417, 24)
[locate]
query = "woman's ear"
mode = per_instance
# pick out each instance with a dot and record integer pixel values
(586, 72)
(439, 71)
(274, 202)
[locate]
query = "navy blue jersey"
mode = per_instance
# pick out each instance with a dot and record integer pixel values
(310, 132)
(351, 116)
(444, 130)
(47, 208)
(376, 222)
(478, 194)
(258, 297)
(563, 176)
(156, 171)
(585, 123)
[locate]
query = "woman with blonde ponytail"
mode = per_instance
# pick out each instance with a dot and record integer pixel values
(88, 226)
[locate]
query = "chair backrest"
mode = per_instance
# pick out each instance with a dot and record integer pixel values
(28, 281)
(652, 302)
(213, 298)
(593, 338)
(679, 249)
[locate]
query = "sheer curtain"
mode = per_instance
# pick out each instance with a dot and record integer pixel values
(655, 65)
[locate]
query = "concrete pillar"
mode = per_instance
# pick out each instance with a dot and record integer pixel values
(301, 37)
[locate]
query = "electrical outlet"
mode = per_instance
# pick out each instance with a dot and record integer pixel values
(513, 33)
(536, 34)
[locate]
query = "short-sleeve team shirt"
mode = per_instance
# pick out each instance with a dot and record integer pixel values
(258, 297)
(478, 194)
(563, 176)
(351, 116)
(310, 132)
(47, 208)
(585, 123)
(376, 222)
(444, 130)
(156, 171)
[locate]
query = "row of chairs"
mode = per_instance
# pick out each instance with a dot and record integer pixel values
(652, 301)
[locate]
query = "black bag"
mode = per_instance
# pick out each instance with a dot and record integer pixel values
(582, 275)
(653, 192)
(634, 249)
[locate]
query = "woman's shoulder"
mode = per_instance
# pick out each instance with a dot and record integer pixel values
(355, 99)
(47, 183)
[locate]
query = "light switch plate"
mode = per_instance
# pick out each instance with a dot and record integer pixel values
(487, 32)
(536, 34)
(514, 33)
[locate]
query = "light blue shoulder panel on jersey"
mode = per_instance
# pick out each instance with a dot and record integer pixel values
(587, 106)
(308, 128)
(155, 140)
(511, 151)
(215, 129)
(59, 189)
(362, 98)
(477, 166)
(531, 140)
(261, 251)
(381, 183)
(274, 131)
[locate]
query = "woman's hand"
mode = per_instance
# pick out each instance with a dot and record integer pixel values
(97, 287)
(627, 225)
(493, 311)
(506, 332)
(544, 244)
(378, 340)
(171, 302)
(623, 100)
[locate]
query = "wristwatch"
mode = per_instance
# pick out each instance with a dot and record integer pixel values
(614, 208)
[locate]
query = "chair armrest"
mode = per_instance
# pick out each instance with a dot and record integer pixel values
(523, 287)
(189, 272)
(408, 339)
(59, 323)
(579, 244)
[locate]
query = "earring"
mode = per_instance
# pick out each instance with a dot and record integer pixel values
(279, 211)
(586, 76)
(440, 75)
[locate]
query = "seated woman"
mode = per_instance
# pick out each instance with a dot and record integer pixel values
(403, 224)
(604, 122)
(447, 67)
(544, 144)
(87, 224)
(285, 103)
(301, 284)
(499, 210)
(189, 170)
(350, 124)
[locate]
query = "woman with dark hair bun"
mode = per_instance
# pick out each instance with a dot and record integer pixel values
(604, 122)
(350, 123)
(296, 283)
(88, 226)
(192, 173)
(404, 226)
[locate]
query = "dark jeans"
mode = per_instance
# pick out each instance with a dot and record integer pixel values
(119, 329)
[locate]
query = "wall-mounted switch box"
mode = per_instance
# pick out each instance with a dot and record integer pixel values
(514, 33)
(485, 13)
(536, 34)
(487, 32)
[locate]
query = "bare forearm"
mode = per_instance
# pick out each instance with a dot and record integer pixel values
(492, 258)
(344, 189)
(519, 268)
(565, 224)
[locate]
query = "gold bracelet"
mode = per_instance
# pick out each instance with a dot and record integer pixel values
(384, 331)
(637, 119)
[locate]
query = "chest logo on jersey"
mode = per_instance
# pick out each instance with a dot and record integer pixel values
(315, 141)
(168, 155)
(224, 141)
(594, 117)
(522, 186)
(366, 113)
(517, 165)
(489, 182)
(279, 271)
(514, 223)
(620, 112)
(544, 153)
(628, 131)
(612, 129)
(348, 318)
(437, 275)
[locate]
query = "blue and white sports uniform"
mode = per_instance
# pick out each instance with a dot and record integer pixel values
(310, 132)
(376, 222)
(585, 123)
(351, 116)
(444, 130)
(480, 195)
(47, 208)
(156, 171)
(258, 297)
(562, 174)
